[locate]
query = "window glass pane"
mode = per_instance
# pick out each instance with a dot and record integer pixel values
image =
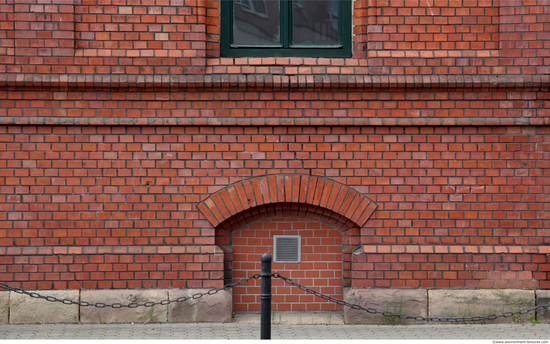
(256, 22)
(315, 22)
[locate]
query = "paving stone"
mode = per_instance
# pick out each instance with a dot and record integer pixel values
(246, 331)
(297, 318)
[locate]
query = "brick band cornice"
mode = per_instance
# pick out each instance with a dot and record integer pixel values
(279, 122)
(453, 249)
(272, 82)
(367, 249)
(287, 188)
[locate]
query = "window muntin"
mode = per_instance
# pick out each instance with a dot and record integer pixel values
(290, 28)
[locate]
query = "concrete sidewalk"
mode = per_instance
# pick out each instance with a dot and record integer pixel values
(238, 331)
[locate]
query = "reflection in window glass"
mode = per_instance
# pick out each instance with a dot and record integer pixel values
(315, 22)
(256, 22)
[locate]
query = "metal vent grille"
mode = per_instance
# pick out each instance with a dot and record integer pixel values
(287, 248)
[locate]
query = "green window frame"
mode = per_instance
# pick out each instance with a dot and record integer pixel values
(285, 47)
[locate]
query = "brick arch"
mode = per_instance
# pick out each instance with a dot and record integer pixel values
(287, 188)
(350, 231)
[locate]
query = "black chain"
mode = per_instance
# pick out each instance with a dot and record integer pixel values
(404, 316)
(132, 304)
(286, 280)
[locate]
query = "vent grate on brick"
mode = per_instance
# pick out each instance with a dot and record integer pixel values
(286, 248)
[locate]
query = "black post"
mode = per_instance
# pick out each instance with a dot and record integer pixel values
(265, 331)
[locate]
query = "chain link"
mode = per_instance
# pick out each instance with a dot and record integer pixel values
(404, 316)
(286, 280)
(128, 305)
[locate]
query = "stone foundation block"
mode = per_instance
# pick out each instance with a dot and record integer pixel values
(155, 314)
(209, 308)
(412, 302)
(4, 307)
(543, 298)
(468, 303)
(27, 310)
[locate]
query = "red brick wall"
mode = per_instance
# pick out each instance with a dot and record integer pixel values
(37, 30)
(181, 37)
(456, 266)
(434, 25)
(104, 206)
(120, 157)
(320, 265)
(170, 33)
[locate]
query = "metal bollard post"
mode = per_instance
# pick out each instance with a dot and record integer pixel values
(265, 296)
